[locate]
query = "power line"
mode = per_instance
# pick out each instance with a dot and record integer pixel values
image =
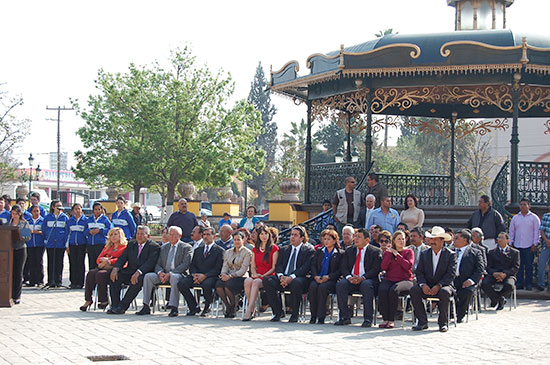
(59, 109)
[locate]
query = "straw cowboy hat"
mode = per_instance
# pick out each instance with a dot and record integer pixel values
(439, 232)
(136, 204)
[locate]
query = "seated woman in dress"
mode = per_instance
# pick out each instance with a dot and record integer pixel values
(115, 245)
(411, 215)
(397, 262)
(264, 259)
(236, 262)
(325, 270)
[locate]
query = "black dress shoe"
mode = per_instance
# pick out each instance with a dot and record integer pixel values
(116, 310)
(293, 319)
(443, 328)
(541, 288)
(313, 320)
(173, 312)
(342, 322)
(16, 301)
(321, 321)
(276, 318)
(231, 315)
(420, 327)
(501, 304)
(366, 323)
(459, 320)
(194, 311)
(205, 312)
(145, 310)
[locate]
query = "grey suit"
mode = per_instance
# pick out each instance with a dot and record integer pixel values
(182, 260)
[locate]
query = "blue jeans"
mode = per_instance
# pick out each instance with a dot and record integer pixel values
(543, 260)
(525, 273)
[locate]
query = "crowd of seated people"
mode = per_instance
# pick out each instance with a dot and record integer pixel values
(248, 267)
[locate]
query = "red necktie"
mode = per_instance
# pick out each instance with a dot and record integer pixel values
(357, 263)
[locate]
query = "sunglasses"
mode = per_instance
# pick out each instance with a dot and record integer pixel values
(384, 241)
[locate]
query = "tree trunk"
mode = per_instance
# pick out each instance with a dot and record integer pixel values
(137, 188)
(170, 196)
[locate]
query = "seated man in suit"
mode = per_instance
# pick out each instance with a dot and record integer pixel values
(360, 269)
(477, 242)
(292, 267)
(173, 263)
(469, 271)
(416, 239)
(502, 267)
(435, 273)
(141, 255)
(205, 268)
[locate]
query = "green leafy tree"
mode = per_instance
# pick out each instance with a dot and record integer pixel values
(174, 122)
(260, 97)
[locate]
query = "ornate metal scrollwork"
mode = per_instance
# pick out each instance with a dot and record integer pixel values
(481, 128)
(402, 98)
(531, 96)
(433, 125)
(547, 126)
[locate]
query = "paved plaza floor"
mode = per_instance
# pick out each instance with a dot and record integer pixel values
(47, 327)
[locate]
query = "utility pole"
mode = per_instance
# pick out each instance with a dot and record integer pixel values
(59, 109)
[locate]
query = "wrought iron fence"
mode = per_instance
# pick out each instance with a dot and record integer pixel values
(326, 178)
(499, 193)
(534, 182)
(429, 189)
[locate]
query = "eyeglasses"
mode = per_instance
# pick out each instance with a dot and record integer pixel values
(384, 241)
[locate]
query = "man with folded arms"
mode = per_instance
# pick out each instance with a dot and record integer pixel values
(435, 273)
(141, 255)
(502, 267)
(173, 263)
(360, 268)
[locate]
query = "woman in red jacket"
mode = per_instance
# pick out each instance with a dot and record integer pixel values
(397, 262)
(115, 245)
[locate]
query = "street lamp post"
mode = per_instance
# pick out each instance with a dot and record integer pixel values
(31, 159)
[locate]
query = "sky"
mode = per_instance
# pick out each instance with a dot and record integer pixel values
(51, 51)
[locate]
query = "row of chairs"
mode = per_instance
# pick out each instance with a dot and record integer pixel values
(474, 307)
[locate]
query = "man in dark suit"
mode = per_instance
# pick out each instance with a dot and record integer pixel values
(141, 255)
(293, 265)
(477, 242)
(435, 273)
(173, 263)
(502, 267)
(469, 271)
(366, 211)
(206, 266)
(360, 269)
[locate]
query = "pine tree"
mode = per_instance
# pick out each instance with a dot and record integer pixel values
(260, 98)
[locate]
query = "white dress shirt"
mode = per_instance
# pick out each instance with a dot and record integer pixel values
(361, 263)
(288, 268)
(435, 260)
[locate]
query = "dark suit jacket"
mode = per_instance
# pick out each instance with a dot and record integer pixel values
(334, 265)
(211, 265)
(444, 273)
(372, 261)
(507, 263)
(484, 250)
(303, 261)
(362, 215)
(182, 259)
(145, 262)
(471, 267)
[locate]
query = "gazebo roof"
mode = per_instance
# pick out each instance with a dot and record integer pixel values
(415, 60)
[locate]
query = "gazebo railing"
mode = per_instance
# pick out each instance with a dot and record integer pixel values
(534, 182)
(326, 178)
(499, 193)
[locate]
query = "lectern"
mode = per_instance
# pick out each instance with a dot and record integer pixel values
(7, 235)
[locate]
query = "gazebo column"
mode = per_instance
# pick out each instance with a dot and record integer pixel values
(514, 142)
(307, 172)
(348, 144)
(368, 138)
(453, 158)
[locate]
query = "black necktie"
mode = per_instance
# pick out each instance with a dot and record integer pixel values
(292, 263)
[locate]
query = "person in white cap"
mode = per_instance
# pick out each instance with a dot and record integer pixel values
(435, 273)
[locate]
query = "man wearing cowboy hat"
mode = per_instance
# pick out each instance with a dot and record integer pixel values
(435, 273)
(136, 214)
